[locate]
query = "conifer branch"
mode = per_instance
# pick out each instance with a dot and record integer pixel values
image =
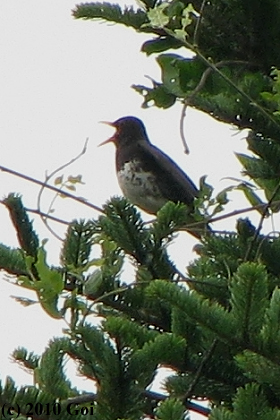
(112, 13)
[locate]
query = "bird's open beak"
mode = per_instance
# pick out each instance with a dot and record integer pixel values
(111, 139)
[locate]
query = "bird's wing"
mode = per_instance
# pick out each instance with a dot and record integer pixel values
(173, 183)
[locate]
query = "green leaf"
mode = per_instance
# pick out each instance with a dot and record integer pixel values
(157, 17)
(70, 187)
(93, 282)
(75, 179)
(170, 73)
(48, 287)
(49, 277)
(58, 180)
(186, 20)
(222, 197)
(160, 44)
(251, 196)
(158, 96)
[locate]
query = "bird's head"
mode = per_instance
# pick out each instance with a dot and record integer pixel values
(128, 129)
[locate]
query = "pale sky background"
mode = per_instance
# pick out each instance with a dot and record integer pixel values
(58, 78)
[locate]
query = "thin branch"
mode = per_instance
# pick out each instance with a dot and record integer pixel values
(100, 210)
(214, 67)
(238, 212)
(256, 234)
(182, 132)
(198, 88)
(50, 187)
(198, 22)
(184, 279)
(42, 214)
(48, 177)
(152, 396)
(198, 373)
(224, 216)
(231, 83)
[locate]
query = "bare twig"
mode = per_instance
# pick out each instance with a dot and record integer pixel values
(48, 177)
(207, 355)
(50, 187)
(196, 29)
(194, 48)
(153, 396)
(184, 279)
(182, 133)
(227, 215)
(42, 214)
(198, 88)
(241, 211)
(267, 206)
(250, 100)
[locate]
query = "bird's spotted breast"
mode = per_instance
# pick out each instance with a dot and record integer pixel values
(140, 187)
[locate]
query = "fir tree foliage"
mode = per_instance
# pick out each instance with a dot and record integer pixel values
(216, 327)
(171, 409)
(223, 325)
(233, 291)
(27, 238)
(28, 360)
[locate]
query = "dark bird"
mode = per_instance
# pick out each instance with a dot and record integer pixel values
(146, 175)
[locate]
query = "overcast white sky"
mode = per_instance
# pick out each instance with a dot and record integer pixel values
(58, 78)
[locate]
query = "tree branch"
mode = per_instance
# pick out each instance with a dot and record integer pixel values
(50, 187)
(198, 88)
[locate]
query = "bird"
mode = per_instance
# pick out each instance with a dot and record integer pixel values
(147, 176)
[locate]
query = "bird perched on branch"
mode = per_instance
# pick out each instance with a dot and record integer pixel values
(146, 175)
